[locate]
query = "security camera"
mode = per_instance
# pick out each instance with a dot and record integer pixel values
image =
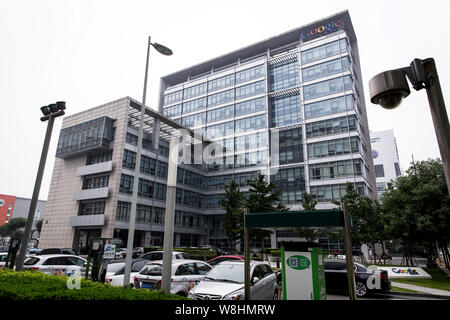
(389, 88)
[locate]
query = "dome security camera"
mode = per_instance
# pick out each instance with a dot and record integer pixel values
(389, 88)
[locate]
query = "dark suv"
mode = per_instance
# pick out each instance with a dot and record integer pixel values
(58, 251)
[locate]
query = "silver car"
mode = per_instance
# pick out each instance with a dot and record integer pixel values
(185, 274)
(226, 282)
(56, 264)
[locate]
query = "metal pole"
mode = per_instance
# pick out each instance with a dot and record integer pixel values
(131, 227)
(349, 255)
(169, 216)
(34, 199)
(246, 260)
(439, 115)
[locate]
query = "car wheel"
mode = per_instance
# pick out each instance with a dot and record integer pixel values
(361, 289)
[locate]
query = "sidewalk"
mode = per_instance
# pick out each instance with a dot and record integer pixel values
(421, 289)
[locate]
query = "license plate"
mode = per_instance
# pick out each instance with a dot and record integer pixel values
(146, 285)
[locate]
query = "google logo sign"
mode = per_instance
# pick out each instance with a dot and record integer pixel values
(322, 30)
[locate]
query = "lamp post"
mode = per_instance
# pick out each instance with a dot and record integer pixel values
(126, 279)
(50, 113)
(389, 88)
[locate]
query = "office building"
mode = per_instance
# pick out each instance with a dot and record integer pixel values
(290, 107)
(385, 158)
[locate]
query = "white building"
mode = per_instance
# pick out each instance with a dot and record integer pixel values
(385, 158)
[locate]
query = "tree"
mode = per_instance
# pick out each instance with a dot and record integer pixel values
(366, 217)
(13, 227)
(263, 197)
(233, 221)
(417, 209)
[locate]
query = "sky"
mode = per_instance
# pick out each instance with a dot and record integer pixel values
(90, 52)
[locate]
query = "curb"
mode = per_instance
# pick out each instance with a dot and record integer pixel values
(423, 295)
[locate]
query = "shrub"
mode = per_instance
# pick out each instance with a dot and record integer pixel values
(34, 285)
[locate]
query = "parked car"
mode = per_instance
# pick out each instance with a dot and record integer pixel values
(220, 259)
(336, 277)
(121, 253)
(137, 252)
(56, 263)
(3, 256)
(33, 251)
(158, 255)
(226, 282)
(116, 272)
(185, 274)
(57, 251)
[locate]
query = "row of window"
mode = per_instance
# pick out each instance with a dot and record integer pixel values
(336, 169)
(95, 182)
(216, 84)
(335, 147)
(326, 193)
(331, 126)
(237, 126)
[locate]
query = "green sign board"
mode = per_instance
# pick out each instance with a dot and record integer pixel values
(298, 262)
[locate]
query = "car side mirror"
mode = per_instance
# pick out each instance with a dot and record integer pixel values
(255, 280)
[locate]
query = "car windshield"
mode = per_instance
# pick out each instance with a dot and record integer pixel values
(114, 267)
(152, 270)
(227, 273)
(31, 261)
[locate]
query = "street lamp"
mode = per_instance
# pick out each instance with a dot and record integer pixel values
(126, 279)
(389, 88)
(50, 112)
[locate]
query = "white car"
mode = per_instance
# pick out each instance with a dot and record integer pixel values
(185, 274)
(3, 256)
(56, 264)
(115, 272)
(226, 282)
(158, 255)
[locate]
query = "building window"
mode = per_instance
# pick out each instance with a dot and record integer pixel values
(250, 74)
(284, 75)
(220, 114)
(95, 182)
(324, 51)
(123, 211)
(328, 87)
(220, 98)
(223, 129)
(328, 107)
(398, 172)
(220, 83)
(145, 188)
(335, 147)
(251, 123)
(173, 111)
(251, 141)
(173, 97)
(285, 110)
(160, 191)
(379, 170)
(326, 69)
(194, 91)
(250, 90)
(327, 193)
(87, 208)
(194, 105)
(335, 169)
(99, 157)
(194, 120)
(250, 106)
(290, 146)
(129, 159)
(126, 184)
(291, 182)
(331, 126)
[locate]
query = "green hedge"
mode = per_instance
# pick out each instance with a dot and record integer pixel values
(34, 285)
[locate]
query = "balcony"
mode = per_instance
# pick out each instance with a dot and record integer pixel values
(89, 194)
(95, 168)
(95, 220)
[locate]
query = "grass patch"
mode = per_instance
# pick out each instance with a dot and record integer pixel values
(439, 280)
(34, 285)
(397, 289)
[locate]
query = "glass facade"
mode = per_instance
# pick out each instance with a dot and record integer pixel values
(290, 146)
(330, 106)
(284, 75)
(85, 137)
(331, 126)
(291, 182)
(334, 147)
(285, 111)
